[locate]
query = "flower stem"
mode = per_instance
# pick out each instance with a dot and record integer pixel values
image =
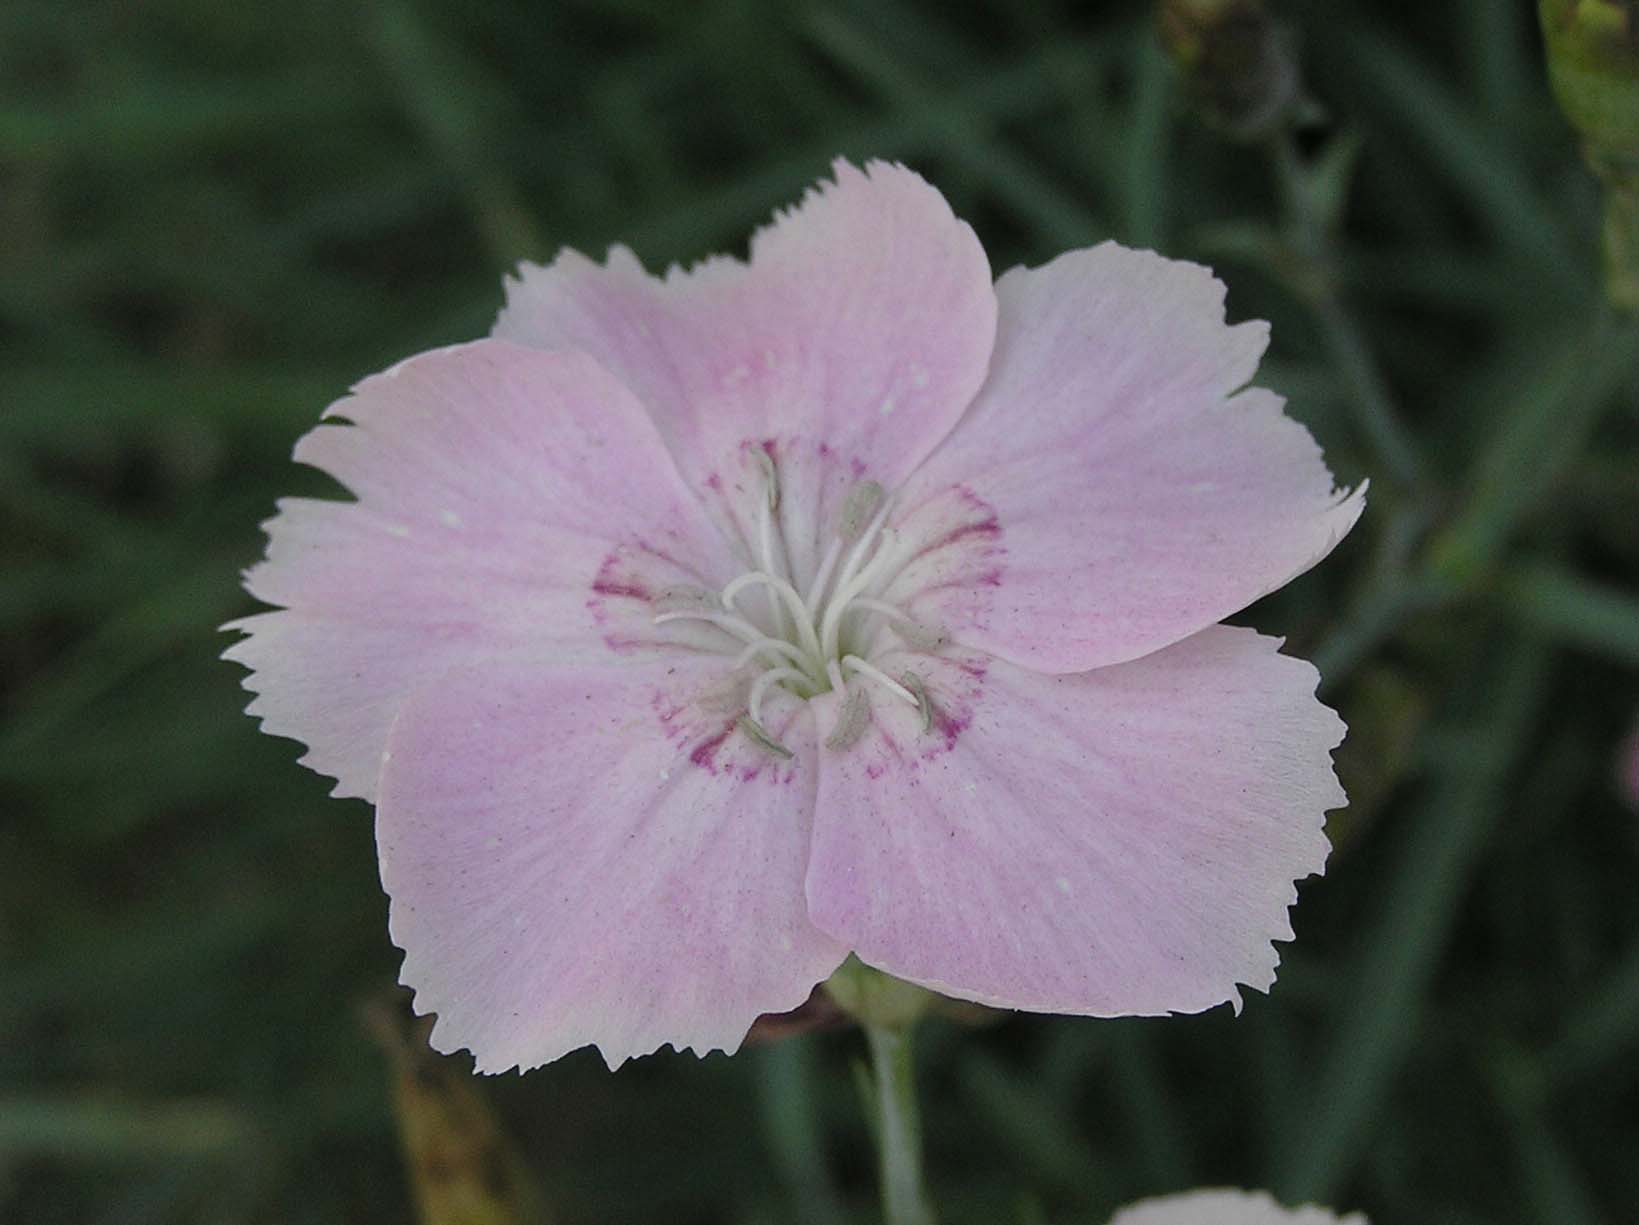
(899, 1127)
(1375, 412)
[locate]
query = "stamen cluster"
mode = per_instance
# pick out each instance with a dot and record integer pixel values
(813, 640)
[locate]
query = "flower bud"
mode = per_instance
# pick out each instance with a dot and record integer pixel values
(1593, 63)
(1238, 62)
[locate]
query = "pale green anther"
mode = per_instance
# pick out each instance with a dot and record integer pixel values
(725, 698)
(686, 598)
(771, 477)
(755, 733)
(920, 637)
(924, 707)
(1593, 63)
(858, 509)
(852, 720)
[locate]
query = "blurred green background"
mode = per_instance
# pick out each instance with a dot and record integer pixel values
(215, 217)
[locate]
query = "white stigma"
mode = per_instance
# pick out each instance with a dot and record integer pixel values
(813, 639)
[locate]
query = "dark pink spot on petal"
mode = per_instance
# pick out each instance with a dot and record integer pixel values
(705, 753)
(967, 531)
(630, 589)
(950, 726)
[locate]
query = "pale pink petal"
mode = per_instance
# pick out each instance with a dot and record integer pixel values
(1116, 842)
(594, 854)
(1137, 494)
(507, 499)
(852, 341)
(1226, 1207)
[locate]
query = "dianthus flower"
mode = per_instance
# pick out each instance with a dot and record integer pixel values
(1222, 1207)
(693, 632)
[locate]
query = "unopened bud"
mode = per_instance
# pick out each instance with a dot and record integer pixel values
(1238, 62)
(1593, 63)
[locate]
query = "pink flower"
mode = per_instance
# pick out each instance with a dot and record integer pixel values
(1226, 1208)
(694, 632)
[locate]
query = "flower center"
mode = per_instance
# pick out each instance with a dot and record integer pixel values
(820, 635)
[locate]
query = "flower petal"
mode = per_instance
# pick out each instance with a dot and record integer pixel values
(1226, 1207)
(1139, 500)
(593, 854)
(507, 498)
(1109, 843)
(863, 321)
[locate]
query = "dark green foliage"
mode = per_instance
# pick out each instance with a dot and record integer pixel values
(214, 217)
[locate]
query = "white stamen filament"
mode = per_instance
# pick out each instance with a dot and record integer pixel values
(738, 626)
(913, 632)
(765, 542)
(891, 611)
(803, 614)
(754, 704)
(800, 640)
(833, 671)
(778, 645)
(847, 590)
(856, 664)
(862, 546)
(823, 576)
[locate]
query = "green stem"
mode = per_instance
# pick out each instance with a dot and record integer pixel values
(899, 1127)
(1375, 412)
